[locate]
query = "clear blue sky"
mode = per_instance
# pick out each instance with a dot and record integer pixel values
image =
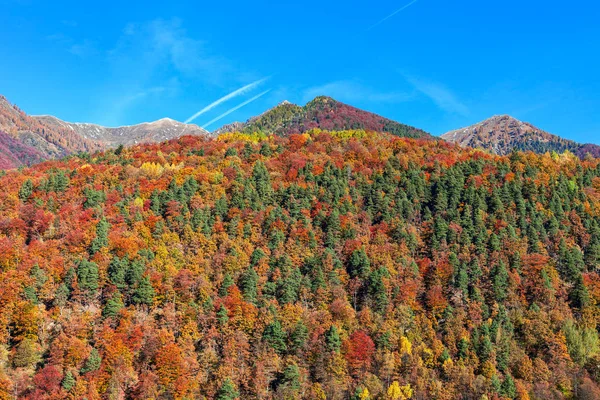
(436, 64)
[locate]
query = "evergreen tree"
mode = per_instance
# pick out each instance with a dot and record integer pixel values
(92, 363)
(359, 264)
(227, 391)
(26, 190)
(225, 285)
(87, 276)
(68, 381)
(298, 336)
(508, 388)
(117, 270)
(144, 293)
(113, 306)
(500, 282)
(222, 315)
(290, 378)
(101, 239)
(333, 340)
(275, 337)
(248, 285)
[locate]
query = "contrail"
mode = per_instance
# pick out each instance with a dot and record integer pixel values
(226, 113)
(223, 99)
(392, 14)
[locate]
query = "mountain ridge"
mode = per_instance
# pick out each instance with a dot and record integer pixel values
(53, 137)
(503, 134)
(322, 112)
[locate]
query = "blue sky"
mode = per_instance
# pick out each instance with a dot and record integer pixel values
(434, 64)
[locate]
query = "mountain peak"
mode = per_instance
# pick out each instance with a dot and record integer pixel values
(501, 134)
(322, 112)
(29, 139)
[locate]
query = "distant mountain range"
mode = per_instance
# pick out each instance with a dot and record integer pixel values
(503, 134)
(26, 140)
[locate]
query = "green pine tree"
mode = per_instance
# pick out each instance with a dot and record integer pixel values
(92, 363)
(68, 381)
(227, 391)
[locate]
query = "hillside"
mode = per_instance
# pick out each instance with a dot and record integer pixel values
(14, 154)
(323, 113)
(328, 265)
(53, 138)
(157, 131)
(503, 134)
(50, 141)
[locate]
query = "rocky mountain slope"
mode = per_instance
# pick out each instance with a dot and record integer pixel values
(157, 131)
(503, 134)
(14, 154)
(324, 113)
(49, 137)
(50, 141)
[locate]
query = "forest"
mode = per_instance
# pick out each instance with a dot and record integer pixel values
(322, 265)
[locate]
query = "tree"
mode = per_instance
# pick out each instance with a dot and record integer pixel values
(227, 391)
(500, 282)
(101, 239)
(144, 293)
(397, 392)
(298, 336)
(508, 388)
(113, 305)
(290, 378)
(275, 337)
(227, 282)
(222, 315)
(359, 350)
(68, 381)
(117, 270)
(92, 363)
(332, 338)
(359, 264)
(87, 276)
(26, 190)
(248, 285)
(26, 353)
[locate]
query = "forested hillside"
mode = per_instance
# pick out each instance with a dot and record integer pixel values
(321, 113)
(323, 265)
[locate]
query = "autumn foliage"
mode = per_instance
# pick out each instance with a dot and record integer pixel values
(324, 265)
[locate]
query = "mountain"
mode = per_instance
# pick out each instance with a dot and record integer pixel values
(305, 267)
(503, 134)
(324, 113)
(14, 153)
(157, 131)
(51, 141)
(54, 138)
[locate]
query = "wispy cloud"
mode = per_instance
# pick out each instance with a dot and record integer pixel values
(226, 113)
(235, 93)
(391, 15)
(352, 91)
(439, 94)
(164, 45)
(81, 49)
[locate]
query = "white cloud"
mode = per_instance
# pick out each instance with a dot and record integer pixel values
(161, 44)
(439, 94)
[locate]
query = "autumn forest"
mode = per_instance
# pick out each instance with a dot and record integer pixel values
(323, 265)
